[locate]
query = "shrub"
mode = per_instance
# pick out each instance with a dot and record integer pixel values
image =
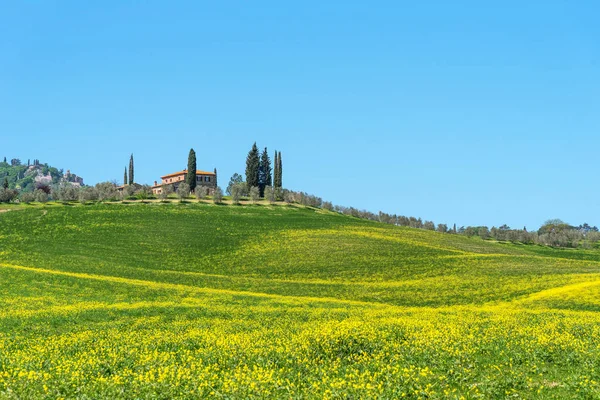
(254, 194)
(143, 192)
(236, 192)
(183, 191)
(65, 192)
(270, 194)
(106, 191)
(87, 194)
(40, 196)
(218, 196)
(26, 197)
(201, 192)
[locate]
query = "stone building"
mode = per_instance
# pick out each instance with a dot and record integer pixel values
(203, 179)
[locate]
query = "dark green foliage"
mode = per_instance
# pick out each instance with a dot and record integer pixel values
(252, 167)
(279, 167)
(264, 173)
(5, 184)
(216, 182)
(275, 169)
(131, 177)
(190, 178)
(235, 179)
(125, 177)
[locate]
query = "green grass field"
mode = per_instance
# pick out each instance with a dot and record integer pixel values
(197, 300)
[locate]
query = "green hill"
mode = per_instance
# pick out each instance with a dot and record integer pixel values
(198, 300)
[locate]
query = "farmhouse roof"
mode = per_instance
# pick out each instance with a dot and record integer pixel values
(185, 172)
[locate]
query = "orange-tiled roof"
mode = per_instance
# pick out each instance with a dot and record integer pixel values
(185, 172)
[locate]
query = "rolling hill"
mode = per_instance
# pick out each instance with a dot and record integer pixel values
(197, 300)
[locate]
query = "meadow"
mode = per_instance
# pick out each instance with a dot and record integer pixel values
(189, 300)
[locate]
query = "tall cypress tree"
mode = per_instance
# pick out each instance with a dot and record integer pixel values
(5, 184)
(252, 167)
(131, 177)
(216, 183)
(190, 178)
(275, 169)
(279, 182)
(264, 174)
(125, 177)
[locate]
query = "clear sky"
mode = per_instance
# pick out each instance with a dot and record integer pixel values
(454, 111)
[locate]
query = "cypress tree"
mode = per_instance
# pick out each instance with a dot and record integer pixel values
(275, 169)
(265, 178)
(190, 178)
(5, 159)
(252, 167)
(5, 184)
(216, 183)
(131, 170)
(125, 177)
(279, 182)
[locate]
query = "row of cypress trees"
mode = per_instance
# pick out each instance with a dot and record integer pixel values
(128, 181)
(260, 173)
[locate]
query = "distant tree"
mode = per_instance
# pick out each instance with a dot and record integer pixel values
(442, 228)
(5, 184)
(235, 179)
(276, 169)
(167, 189)
(237, 191)
(201, 192)
(128, 192)
(106, 191)
(143, 192)
(125, 177)
(254, 194)
(483, 232)
(131, 176)
(264, 173)
(216, 182)
(5, 160)
(279, 182)
(183, 190)
(26, 197)
(40, 196)
(87, 193)
(217, 195)
(252, 167)
(15, 162)
(270, 194)
(454, 229)
(190, 178)
(429, 225)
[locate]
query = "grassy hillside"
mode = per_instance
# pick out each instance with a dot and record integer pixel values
(197, 300)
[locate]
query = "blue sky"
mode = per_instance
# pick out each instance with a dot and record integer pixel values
(463, 111)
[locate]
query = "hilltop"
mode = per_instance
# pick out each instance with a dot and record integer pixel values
(26, 177)
(196, 300)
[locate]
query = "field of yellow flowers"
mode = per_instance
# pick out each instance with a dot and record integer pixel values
(203, 301)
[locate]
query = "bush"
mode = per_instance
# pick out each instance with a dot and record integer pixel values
(26, 197)
(107, 191)
(270, 194)
(128, 192)
(237, 191)
(40, 196)
(201, 192)
(143, 192)
(327, 205)
(65, 192)
(87, 194)
(183, 191)
(218, 196)
(254, 194)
